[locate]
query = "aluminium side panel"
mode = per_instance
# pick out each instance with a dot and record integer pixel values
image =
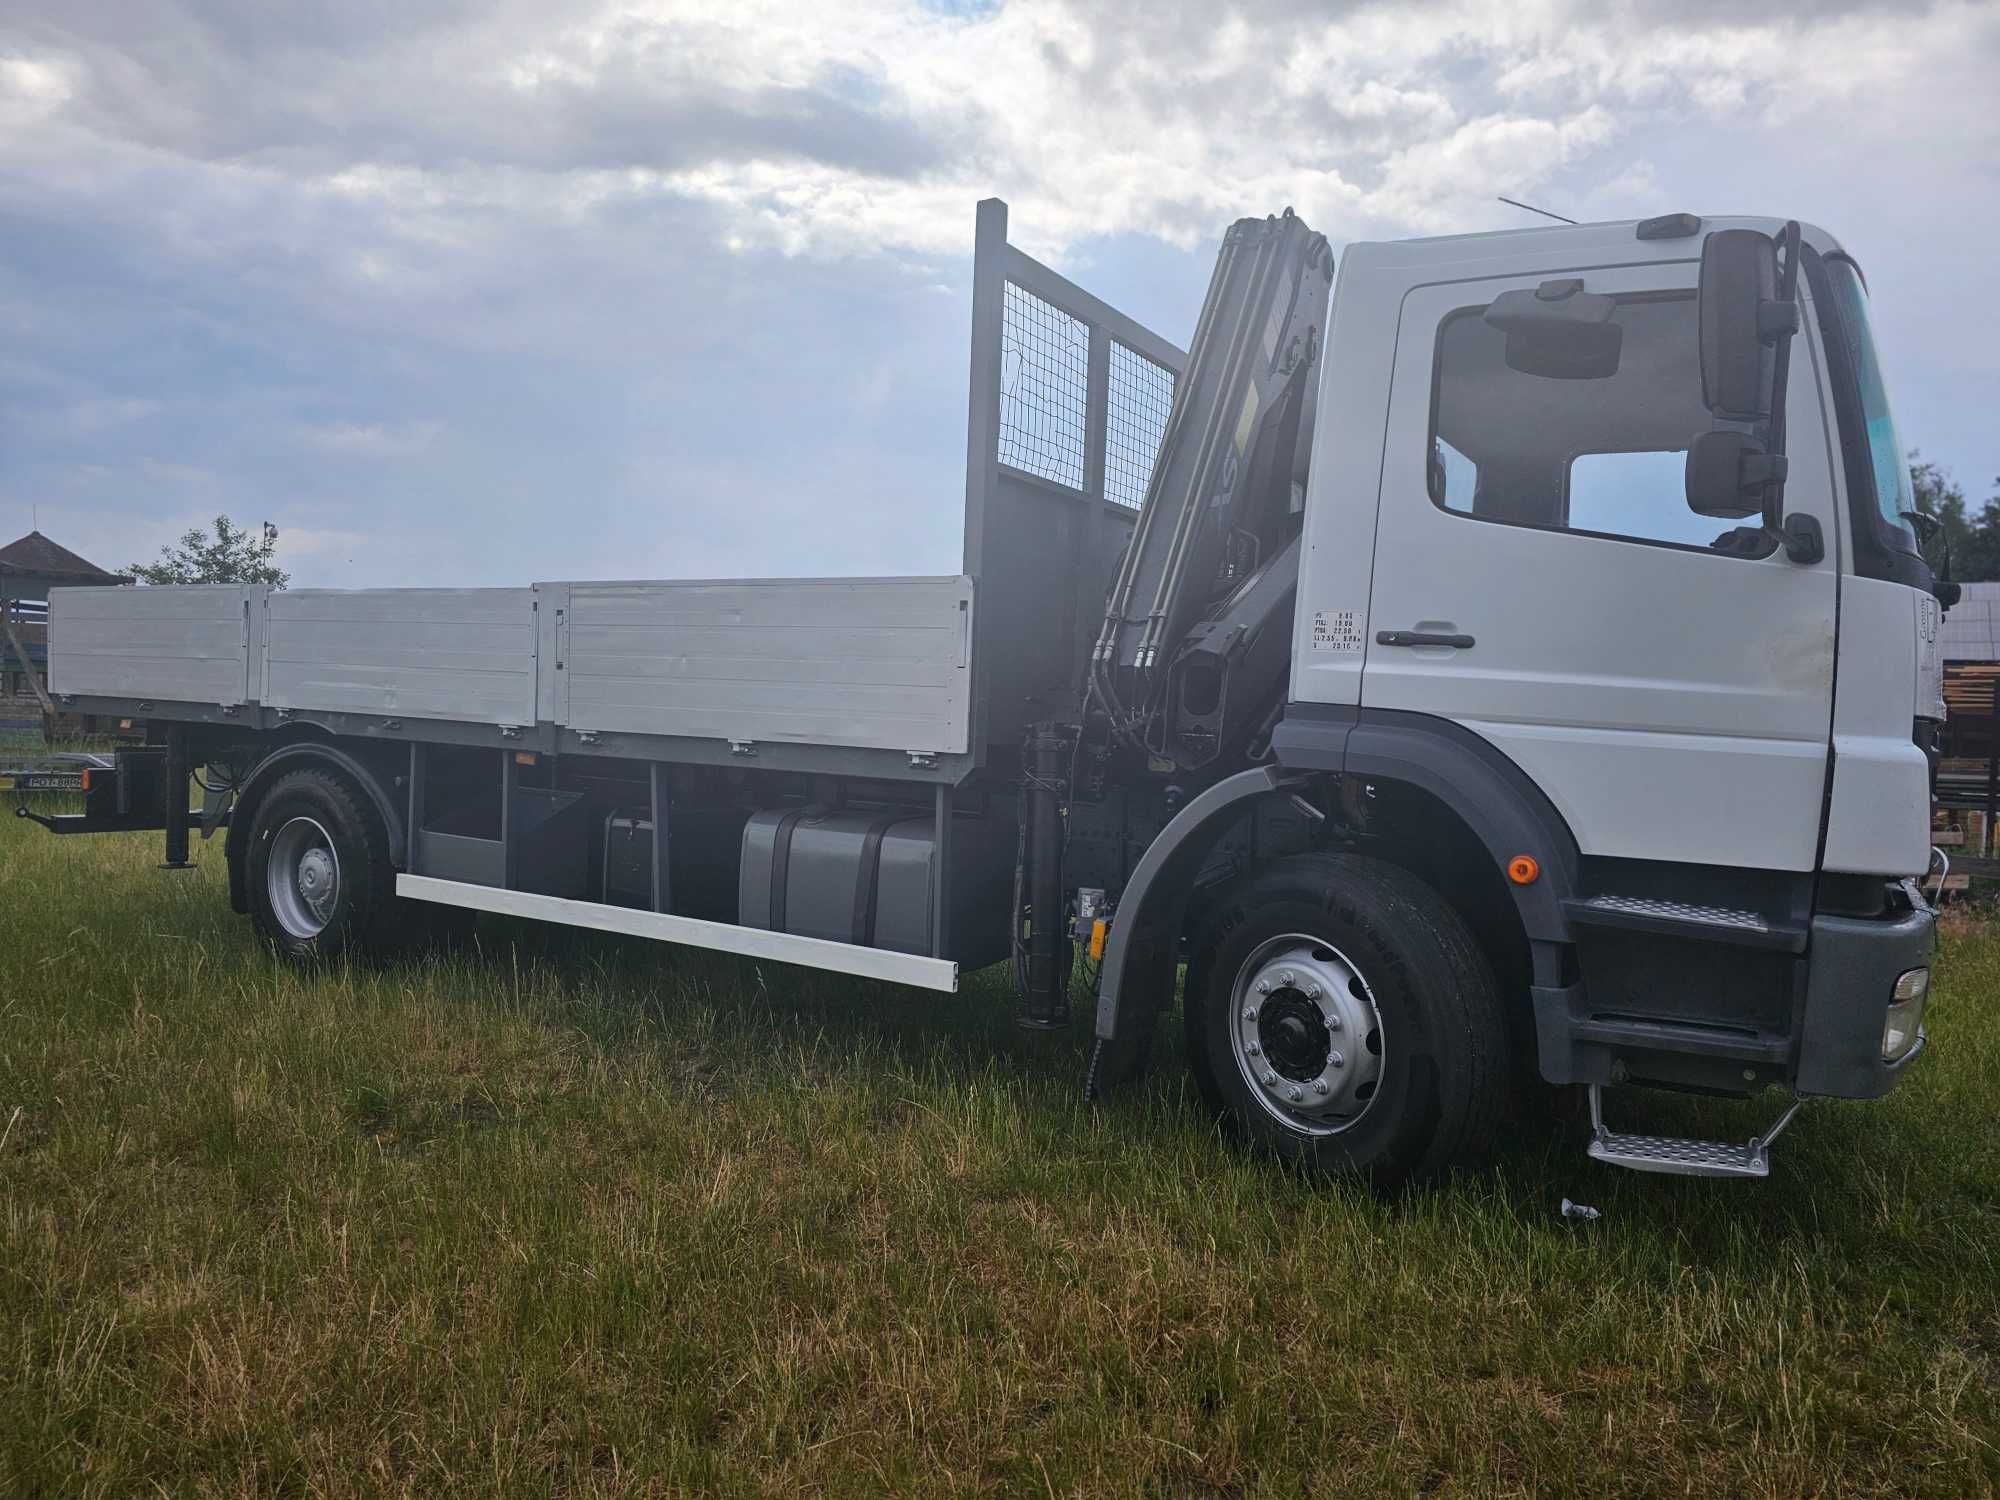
(459, 654)
(185, 644)
(878, 663)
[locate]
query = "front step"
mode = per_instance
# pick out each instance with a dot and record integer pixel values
(1682, 1157)
(1686, 919)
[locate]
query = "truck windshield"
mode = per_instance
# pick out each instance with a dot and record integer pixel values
(1893, 495)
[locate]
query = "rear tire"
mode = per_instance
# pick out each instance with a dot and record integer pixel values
(318, 874)
(1340, 1015)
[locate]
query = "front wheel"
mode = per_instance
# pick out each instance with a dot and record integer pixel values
(1340, 1015)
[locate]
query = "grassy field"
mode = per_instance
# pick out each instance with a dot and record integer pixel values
(598, 1218)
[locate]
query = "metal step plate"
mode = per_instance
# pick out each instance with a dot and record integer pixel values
(1683, 1158)
(1717, 924)
(1683, 911)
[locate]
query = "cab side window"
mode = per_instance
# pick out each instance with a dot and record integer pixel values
(1601, 452)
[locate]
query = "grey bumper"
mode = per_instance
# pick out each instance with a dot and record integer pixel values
(1853, 965)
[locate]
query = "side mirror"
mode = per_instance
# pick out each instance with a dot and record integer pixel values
(1727, 474)
(1747, 312)
(1744, 322)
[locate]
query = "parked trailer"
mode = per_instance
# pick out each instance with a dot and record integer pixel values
(1510, 661)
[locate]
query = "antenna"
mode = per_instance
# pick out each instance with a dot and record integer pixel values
(1517, 203)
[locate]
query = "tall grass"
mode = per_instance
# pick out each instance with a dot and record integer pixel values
(567, 1214)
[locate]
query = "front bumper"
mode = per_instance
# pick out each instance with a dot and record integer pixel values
(1854, 962)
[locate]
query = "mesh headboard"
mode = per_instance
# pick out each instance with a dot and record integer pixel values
(1069, 403)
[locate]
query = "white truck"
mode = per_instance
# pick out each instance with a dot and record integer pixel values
(1511, 657)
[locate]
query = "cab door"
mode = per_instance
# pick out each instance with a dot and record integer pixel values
(1540, 580)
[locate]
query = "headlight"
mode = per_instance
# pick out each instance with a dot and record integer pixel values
(1906, 1013)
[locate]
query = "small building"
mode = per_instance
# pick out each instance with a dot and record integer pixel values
(1969, 771)
(29, 568)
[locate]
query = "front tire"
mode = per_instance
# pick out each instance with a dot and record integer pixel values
(318, 873)
(1340, 1015)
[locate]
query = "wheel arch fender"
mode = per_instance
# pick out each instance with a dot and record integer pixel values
(1506, 811)
(1143, 946)
(300, 755)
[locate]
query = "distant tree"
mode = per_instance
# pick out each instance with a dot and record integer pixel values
(1938, 495)
(1973, 541)
(1981, 562)
(230, 555)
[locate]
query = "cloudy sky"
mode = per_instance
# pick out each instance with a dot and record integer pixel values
(463, 292)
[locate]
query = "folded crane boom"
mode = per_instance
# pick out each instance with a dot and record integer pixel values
(1225, 501)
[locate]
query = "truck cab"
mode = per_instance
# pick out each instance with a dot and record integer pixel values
(1669, 759)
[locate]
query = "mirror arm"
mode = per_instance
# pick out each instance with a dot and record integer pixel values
(1778, 322)
(1800, 535)
(1763, 471)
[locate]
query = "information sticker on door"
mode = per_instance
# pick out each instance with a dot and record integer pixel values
(1337, 630)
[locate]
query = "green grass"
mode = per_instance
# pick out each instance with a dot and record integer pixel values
(29, 744)
(601, 1218)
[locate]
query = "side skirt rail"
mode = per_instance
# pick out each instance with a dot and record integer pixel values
(725, 937)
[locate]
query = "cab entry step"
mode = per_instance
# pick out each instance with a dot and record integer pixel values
(1712, 924)
(1683, 1157)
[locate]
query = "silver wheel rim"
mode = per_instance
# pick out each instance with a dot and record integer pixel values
(303, 878)
(1306, 1034)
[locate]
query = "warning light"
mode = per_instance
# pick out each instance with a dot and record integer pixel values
(526, 758)
(1097, 930)
(1522, 869)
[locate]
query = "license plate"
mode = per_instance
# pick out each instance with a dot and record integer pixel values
(42, 781)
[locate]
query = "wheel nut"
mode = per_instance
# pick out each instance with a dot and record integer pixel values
(1319, 1086)
(1249, 1013)
(1263, 986)
(1312, 992)
(1335, 1060)
(1333, 1020)
(1255, 1050)
(1270, 1078)
(1294, 1095)
(1284, 976)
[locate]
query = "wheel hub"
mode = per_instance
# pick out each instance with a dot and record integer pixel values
(316, 881)
(303, 878)
(1294, 1034)
(1306, 1034)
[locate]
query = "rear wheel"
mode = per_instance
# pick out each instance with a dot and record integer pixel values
(318, 875)
(1339, 1014)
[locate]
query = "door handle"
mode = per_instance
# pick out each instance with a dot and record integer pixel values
(1421, 638)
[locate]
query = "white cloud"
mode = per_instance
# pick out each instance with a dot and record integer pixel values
(495, 248)
(31, 89)
(855, 128)
(371, 439)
